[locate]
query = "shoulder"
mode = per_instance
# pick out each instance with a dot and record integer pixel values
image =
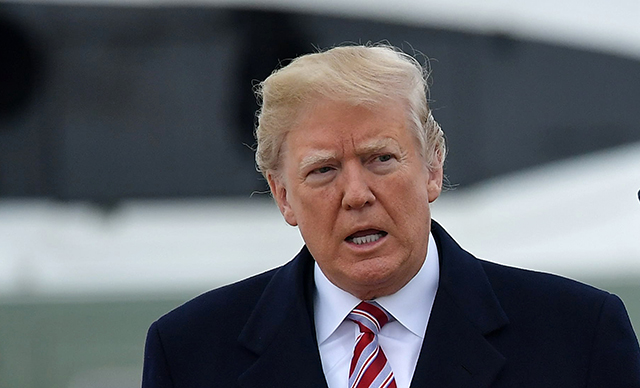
(227, 309)
(183, 344)
(560, 320)
(546, 298)
(556, 307)
(539, 285)
(234, 301)
(515, 288)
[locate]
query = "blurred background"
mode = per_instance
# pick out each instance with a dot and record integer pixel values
(127, 180)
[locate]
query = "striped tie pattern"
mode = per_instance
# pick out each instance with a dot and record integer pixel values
(369, 365)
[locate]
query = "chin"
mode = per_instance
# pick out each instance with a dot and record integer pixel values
(373, 279)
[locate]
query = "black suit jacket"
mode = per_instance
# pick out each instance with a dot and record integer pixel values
(490, 326)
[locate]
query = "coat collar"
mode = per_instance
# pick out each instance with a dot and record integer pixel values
(455, 351)
(281, 332)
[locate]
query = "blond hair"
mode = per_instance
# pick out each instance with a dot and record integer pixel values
(359, 75)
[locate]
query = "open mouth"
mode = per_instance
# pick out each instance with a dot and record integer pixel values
(366, 236)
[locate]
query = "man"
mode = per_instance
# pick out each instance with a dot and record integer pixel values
(380, 295)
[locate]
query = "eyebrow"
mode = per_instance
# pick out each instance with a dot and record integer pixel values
(318, 157)
(322, 156)
(375, 146)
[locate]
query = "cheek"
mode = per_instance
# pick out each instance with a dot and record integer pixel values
(412, 190)
(317, 210)
(410, 201)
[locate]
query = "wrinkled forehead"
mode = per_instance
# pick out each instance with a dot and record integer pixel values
(305, 111)
(326, 129)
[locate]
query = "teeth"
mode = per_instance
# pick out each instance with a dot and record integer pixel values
(366, 239)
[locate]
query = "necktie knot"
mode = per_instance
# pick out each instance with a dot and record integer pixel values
(369, 316)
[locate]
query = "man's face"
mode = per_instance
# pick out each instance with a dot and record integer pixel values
(354, 182)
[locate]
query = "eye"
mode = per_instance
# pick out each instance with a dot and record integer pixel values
(321, 170)
(383, 163)
(320, 176)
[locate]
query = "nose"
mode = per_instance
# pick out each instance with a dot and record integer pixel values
(357, 191)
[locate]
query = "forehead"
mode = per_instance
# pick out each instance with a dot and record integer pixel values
(329, 124)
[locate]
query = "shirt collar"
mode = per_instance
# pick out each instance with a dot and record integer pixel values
(332, 304)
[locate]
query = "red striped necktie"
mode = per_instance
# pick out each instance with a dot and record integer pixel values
(369, 365)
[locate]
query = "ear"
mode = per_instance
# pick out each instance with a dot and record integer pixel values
(279, 192)
(434, 184)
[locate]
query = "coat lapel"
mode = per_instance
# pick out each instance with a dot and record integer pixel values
(456, 351)
(281, 332)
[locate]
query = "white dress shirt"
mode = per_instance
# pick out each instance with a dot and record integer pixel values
(400, 339)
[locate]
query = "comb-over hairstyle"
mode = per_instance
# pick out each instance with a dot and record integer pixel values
(370, 76)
